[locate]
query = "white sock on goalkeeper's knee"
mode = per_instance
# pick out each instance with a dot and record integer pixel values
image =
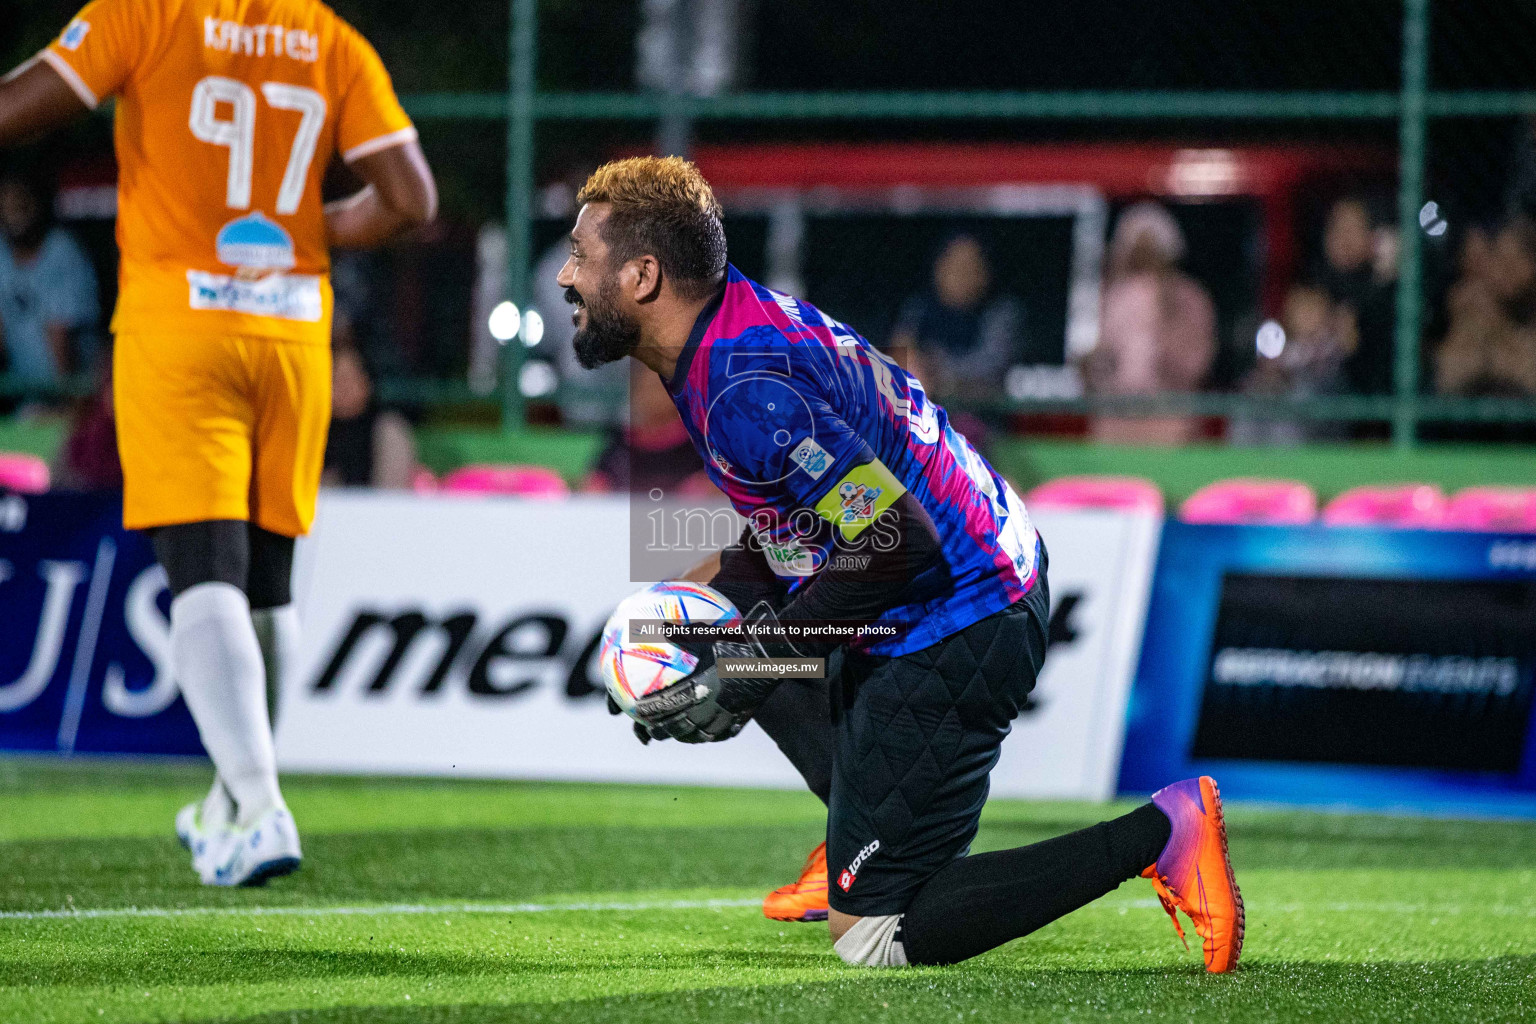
(873, 942)
(218, 667)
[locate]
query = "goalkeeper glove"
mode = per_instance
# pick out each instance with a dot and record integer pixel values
(705, 707)
(641, 733)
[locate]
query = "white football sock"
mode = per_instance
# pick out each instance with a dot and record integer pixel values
(218, 667)
(218, 807)
(871, 942)
(277, 631)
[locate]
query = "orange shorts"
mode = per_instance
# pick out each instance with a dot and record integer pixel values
(221, 427)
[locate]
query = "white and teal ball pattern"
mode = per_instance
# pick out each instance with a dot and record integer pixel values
(633, 669)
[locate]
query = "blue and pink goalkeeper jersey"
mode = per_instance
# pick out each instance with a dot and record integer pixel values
(784, 404)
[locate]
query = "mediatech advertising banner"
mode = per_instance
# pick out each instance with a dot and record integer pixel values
(84, 634)
(1365, 667)
(457, 636)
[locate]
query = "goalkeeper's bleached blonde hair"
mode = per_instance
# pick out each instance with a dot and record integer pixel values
(662, 207)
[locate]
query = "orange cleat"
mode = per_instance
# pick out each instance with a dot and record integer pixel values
(804, 899)
(1194, 872)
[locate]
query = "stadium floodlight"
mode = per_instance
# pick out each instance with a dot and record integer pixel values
(503, 322)
(537, 378)
(533, 328)
(1431, 221)
(1270, 339)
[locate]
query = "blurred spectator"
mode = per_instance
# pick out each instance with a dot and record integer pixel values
(1158, 331)
(426, 284)
(88, 460)
(957, 337)
(490, 290)
(48, 303)
(652, 451)
(368, 445)
(1358, 271)
(1301, 356)
(587, 398)
(1490, 346)
(1520, 192)
(362, 317)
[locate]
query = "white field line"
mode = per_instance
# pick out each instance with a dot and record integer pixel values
(367, 911)
(1449, 910)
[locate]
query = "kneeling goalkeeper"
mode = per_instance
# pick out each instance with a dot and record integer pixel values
(865, 505)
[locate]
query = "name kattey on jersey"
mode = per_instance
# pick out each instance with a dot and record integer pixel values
(257, 40)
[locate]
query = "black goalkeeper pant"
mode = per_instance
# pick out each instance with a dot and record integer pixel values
(902, 757)
(916, 737)
(900, 748)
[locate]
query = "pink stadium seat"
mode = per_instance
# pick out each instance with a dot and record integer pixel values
(527, 481)
(1251, 501)
(1414, 506)
(1130, 493)
(25, 473)
(1494, 509)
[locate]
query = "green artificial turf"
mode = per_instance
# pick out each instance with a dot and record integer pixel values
(472, 901)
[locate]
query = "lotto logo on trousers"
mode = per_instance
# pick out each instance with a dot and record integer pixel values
(845, 880)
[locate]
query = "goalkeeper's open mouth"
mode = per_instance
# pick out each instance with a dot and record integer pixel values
(578, 303)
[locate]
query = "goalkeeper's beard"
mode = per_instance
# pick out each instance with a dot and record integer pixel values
(608, 336)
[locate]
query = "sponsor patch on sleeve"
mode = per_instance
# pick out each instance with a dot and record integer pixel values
(791, 559)
(862, 494)
(811, 457)
(74, 35)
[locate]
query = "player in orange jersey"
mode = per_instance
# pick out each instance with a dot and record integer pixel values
(227, 113)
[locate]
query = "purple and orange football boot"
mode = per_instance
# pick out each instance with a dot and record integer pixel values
(1194, 872)
(804, 899)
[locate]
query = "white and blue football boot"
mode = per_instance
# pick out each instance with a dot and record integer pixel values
(269, 848)
(198, 823)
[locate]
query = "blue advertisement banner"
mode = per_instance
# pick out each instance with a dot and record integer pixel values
(1352, 667)
(84, 633)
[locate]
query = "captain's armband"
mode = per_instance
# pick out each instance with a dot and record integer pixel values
(859, 497)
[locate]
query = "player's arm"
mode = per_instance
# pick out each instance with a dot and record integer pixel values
(879, 552)
(885, 556)
(893, 543)
(35, 99)
(705, 571)
(742, 574)
(400, 194)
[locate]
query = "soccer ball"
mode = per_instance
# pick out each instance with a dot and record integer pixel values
(633, 669)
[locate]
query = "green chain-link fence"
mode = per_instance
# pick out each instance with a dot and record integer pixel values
(1416, 107)
(1457, 107)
